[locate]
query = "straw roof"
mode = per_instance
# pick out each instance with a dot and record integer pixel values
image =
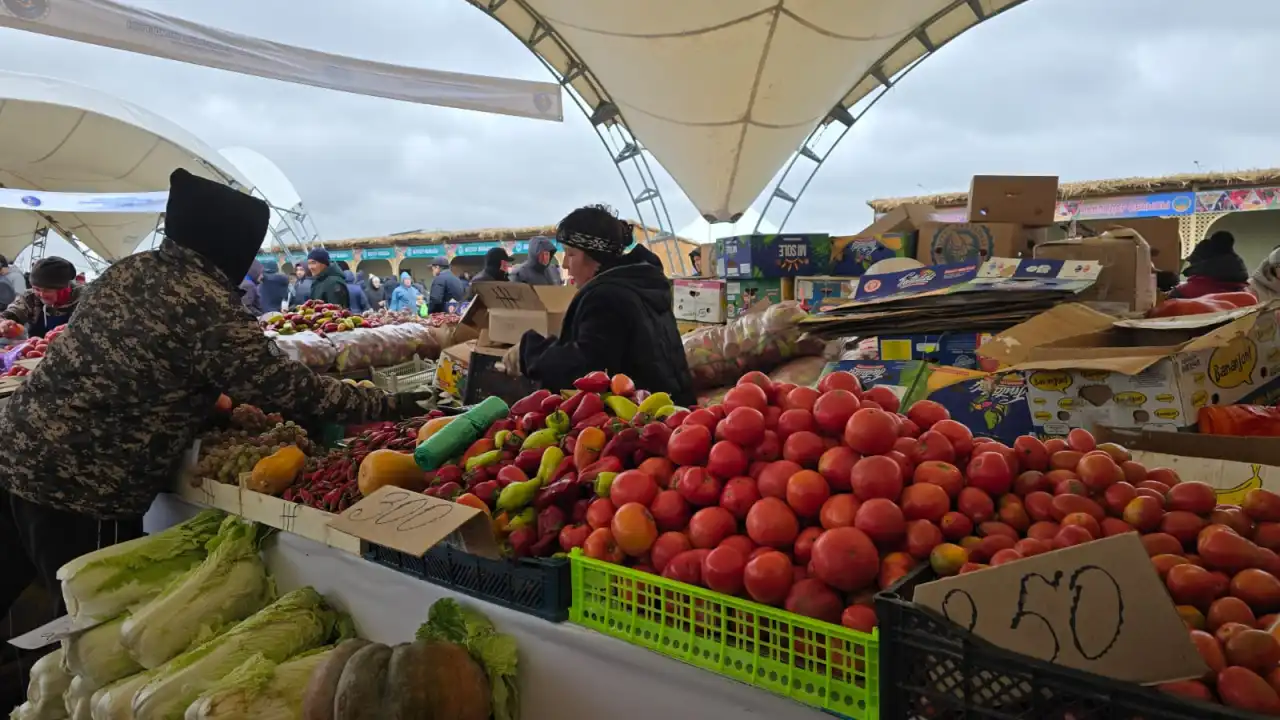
(1104, 188)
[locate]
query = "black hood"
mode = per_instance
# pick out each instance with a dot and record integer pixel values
(220, 223)
(641, 272)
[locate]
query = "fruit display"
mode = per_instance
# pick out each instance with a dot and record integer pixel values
(383, 346)
(29, 349)
(251, 437)
(762, 340)
(333, 484)
(377, 318)
(311, 349)
(315, 316)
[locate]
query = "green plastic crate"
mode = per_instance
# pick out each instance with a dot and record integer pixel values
(742, 640)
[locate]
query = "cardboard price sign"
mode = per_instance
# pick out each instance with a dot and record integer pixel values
(413, 523)
(1098, 607)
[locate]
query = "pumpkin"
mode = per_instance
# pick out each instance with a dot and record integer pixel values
(388, 467)
(274, 473)
(423, 680)
(317, 699)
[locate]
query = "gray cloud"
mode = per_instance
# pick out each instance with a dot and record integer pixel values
(1082, 88)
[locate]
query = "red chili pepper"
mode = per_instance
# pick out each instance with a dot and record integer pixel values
(593, 382)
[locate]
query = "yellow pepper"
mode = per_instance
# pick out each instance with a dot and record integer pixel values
(551, 458)
(546, 437)
(620, 406)
(655, 402)
(484, 459)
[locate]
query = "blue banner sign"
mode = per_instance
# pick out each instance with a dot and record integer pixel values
(421, 251)
(473, 249)
(377, 253)
(336, 255)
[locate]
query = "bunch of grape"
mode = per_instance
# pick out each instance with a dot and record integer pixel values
(252, 420)
(225, 455)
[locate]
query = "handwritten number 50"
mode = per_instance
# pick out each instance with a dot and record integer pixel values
(1100, 579)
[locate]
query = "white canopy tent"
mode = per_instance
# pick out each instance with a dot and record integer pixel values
(724, 93)
(58, 136)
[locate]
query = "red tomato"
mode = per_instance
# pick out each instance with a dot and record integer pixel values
(871, 432)
(806, 492)
(990, 472)
(768, 577)
(726, 460)
(833, 409)
(836, 465)
(884, 397)
(882, 520)
(876, 476)
(745, 395)
(838, 511)
(960, 436)
(739, 495)
(723, 568)
(755, 377)
(1032, 454)
(804, 545)
(846, 559)
(702, 416)
(804, 447)
(686, 567)
(689, 444)
(743, 425)
(711, 525)
(773, 479)
(925, 413)
(667, 546)
(934, 447)
(801, 398)
(633, 486)
(772, 523)
(812, 598)
(840, 380)
(1081, 441)
(794, 421)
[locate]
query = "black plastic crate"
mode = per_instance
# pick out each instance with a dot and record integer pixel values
(535, 586)
(931, 669)
(485, 379)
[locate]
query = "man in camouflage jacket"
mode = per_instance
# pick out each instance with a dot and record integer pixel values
(100, 427)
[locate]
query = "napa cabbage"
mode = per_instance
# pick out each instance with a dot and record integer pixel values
(259, 689)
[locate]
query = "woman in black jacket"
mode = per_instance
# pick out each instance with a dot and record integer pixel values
(620, 321)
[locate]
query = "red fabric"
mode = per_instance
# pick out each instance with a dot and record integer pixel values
(1201, 285)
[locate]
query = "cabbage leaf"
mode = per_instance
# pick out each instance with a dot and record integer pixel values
(96, 655)
(260, 689)
(106, 582)
(298, 621)
(227, 586)
(450, 621)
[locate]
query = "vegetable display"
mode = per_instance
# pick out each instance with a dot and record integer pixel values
(333, 485)
(260, 689)
(761, 340)
(49, 682)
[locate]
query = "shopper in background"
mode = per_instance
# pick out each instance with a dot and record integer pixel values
(496, 263)
(1265, 279)
(50, 301)
(374, 292)
(81, 279)
(100, 427)
(621, 320)
(249, 287)
(327, 284)
(1213, 267)
(538, 269)
(445, 286)
(273, 290)
(359, 303)
(300, 292)
(405, 297)
(12, 283)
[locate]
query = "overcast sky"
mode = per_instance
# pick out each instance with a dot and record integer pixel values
(1080, 88)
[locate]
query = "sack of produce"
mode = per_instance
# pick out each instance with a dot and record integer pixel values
(801, 371)
(260, 689)
(297, 622)
(228, 586)
(308, 348)
(104, 583)
(96, 657)
(383, 346)
(44, 693)
(759, 340)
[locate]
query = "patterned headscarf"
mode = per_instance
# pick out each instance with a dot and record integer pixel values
(591, 244)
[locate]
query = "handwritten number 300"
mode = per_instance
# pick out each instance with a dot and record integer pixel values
(1077, 593)
(417, 512)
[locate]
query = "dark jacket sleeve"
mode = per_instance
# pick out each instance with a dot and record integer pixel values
(599, 339)
(436, 294)
(22, 309)
(243, 363)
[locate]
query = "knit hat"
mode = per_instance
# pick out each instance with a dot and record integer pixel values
(405, 275)
(320, 255)
(52, 273)
(496, 256)
(220, 223)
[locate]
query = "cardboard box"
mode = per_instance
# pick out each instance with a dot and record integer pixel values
(902, 219)
(815, 293)
(1087, 369)
(1161, 234)
(772, 256)
(741, 295)
(1126, 283)
(1029, 200)
(950, 243)
(853, 255)
(1232, 465)
(509, 309)
(451, 370)
(950, 349)
(699, 300)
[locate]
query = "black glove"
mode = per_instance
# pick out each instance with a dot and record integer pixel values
(406, 403)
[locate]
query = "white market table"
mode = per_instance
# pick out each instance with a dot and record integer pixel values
(566, 671)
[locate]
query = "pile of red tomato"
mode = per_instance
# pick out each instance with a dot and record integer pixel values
(1177, 307)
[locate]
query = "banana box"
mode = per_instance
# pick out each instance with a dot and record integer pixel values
(1232, 465)
(1086, 369)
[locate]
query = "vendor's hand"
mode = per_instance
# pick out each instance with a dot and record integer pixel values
(511, 361)
(10, 329)
(407, 403)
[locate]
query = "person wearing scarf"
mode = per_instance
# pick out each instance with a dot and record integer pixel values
(101, 425)
(1213, 267)
(620, 321)
(1265, 280)
(51, 299)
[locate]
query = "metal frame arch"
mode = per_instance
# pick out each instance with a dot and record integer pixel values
(883, 76)
(607, 120)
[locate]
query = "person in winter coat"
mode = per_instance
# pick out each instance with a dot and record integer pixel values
(101, 425)
(1213, 267)
(621, 320)
(539, 268)
(300, 292)
(405, 297)
(359, 303)
(328, 285)
(51, 300)
(12, 283)
(445, 286)
(249, 286)
(273, 290)
(1264, 281)
(375, 293)
(496, 262)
